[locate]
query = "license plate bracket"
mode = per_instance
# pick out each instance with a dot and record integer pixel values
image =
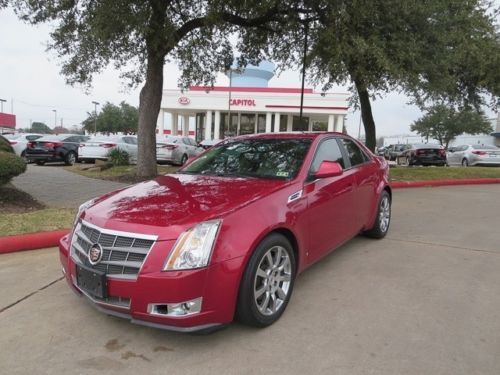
(91, 281)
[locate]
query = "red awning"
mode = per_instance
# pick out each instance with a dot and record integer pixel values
(7, 120)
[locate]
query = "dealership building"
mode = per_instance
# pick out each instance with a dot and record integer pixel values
(247, 106)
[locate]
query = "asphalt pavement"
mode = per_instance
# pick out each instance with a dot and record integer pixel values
(424, 300)
(52, 185)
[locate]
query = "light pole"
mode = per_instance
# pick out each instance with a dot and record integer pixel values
(2, 101)
(95, 115)
(55, 117)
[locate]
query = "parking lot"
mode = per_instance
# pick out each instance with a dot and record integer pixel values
(425, 300)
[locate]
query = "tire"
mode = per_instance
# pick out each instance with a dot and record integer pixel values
(383, 219)
(267, 283)
(23, 156)
(70, 158)
(184, 159)
(40, 162)
(465, 162)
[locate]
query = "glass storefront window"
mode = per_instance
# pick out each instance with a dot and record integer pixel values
(319, 126)
(298, 126)
(247, 124)
(261, 124)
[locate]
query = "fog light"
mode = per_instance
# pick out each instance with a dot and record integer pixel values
(176, 309)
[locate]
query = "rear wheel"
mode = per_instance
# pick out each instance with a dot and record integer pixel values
(465, 162)
(40, 162)
(267, 283)
(184, 159)
(70, 158)
(383, 219)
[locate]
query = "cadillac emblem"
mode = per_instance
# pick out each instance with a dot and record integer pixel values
(95, 254)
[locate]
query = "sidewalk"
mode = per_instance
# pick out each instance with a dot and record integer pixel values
(56, 187)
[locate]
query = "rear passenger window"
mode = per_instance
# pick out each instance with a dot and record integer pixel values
(355, 154)
(328, 150)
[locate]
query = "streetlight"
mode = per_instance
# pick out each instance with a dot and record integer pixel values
(2, 101)
(95, 115)
(55, 117)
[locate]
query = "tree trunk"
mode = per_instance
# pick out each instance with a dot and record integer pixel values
(366, 115)
(149, 107)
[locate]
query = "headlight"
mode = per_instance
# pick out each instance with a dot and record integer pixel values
(82, 208)
(194, 247)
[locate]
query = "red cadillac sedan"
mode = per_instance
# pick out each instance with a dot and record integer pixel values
(226, 236)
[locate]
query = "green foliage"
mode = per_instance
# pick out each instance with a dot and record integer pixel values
(10, 166)
(445, 123)
(118, 157)
(113, 119)
(40, 127)
(5, 145)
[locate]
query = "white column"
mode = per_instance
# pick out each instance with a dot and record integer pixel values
(277, 119)
(175, 123)
(330, 123)
(239, 124)
(289, 123)
(310, 125)
(217, 125)
(160, 121)
(338, 123)
(269, 122)
(185, 125)
(208, 125)
(256, 124)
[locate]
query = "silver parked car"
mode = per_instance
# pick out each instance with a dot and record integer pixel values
(19, 142)
(468, 155)
(176, 149)
(100, 146)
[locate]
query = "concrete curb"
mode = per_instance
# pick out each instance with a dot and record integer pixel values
(434, 183)
(42, 240)
(31, 241)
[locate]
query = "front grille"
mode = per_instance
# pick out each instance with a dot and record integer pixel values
(123, 253)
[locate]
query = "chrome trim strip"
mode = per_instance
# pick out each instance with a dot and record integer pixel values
(120, 233)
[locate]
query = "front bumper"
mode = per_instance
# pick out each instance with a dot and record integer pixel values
(217, 285)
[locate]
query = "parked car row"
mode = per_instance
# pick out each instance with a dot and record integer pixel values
(434, 154)
(70, 148)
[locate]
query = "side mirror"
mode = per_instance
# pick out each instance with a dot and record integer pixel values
(328, 169)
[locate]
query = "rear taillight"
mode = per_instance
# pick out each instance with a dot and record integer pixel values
(442, 152)
(170, 147)
(475, 152)
(420, 152)
(82, 145)
(53, 144)
(30, 145)
(13, 142)
(107, 145)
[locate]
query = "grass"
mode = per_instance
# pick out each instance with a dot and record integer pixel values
(121, 173)
(437, 173)
(46, 219)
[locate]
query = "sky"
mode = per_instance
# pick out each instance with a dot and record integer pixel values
(31, 82)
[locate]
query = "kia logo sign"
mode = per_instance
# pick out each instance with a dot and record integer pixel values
(184, 100)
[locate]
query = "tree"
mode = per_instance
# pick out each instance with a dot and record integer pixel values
(429, 49)
(138, 36)
(445, 123)
(40, 127)
(113, 119)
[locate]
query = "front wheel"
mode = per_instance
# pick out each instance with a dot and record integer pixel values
(267, 283)
(383, 219)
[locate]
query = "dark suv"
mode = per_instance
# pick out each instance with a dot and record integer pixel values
(393, 151)
(55, 148)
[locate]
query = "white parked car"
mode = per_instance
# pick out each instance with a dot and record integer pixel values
(176, 149)
(468, 155)
(19, 141)
(100, 146)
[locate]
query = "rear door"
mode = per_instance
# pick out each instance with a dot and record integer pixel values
(330, 215)
(365, 171)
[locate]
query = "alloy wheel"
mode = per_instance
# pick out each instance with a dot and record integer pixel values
(272, 280)
(384, 215)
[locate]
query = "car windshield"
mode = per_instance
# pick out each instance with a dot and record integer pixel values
(260, 158)
(58, 137)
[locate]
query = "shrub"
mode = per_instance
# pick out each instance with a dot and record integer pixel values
(5, 145)
(118, 157)
(10, 166)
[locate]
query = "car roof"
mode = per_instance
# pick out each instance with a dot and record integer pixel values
(426, 145)
(286, 135)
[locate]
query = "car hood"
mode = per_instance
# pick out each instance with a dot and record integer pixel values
(169, 204)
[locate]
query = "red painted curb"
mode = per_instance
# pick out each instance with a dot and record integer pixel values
(31, 241)
(432, 183)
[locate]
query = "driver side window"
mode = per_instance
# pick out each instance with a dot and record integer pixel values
(328, 150)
